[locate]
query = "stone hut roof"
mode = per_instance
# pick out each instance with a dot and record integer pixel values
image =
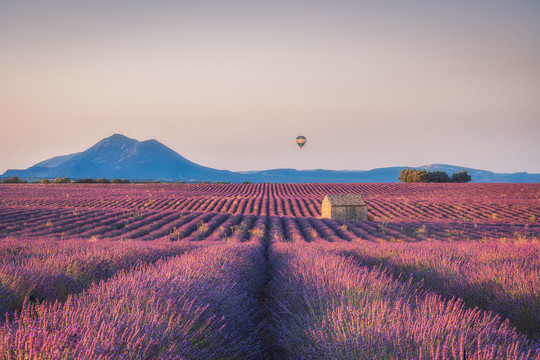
(346, 200)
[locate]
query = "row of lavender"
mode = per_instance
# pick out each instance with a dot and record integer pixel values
(201, 305)
(500, 277)
(214, 303)
(308, 207)
(98, 192)
(503, 277)
(149, 225)
(519, 203)
(331, 307)
(48, 270)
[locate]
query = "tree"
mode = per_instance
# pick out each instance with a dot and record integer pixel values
(423, 176)
(63, 180)
(103, 181)
(45, 181)
(413, 176)
(121, 181)
(12, 180)
(438, 177)
(461, 177)
(404, 175)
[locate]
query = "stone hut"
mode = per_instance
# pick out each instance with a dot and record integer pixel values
(344, 207)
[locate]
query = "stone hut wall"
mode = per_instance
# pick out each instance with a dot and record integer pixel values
(344, 207)
(348, 212)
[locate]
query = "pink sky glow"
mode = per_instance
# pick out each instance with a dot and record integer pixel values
(231, 84)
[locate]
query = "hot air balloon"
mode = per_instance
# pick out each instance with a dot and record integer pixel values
(301, 141)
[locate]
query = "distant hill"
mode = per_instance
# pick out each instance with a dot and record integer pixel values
(484, 176)
(388, 174)
(119, 157)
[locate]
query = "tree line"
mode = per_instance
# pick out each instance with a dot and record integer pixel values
(406, 176)
(424, 176)
(65, 180)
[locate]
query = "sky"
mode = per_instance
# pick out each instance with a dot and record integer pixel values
(231, 84)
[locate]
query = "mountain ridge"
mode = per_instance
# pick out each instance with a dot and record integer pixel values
(119, 156)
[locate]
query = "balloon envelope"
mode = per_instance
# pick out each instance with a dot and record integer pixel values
(301, 140)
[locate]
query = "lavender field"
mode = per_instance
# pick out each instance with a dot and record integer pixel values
(251, 271)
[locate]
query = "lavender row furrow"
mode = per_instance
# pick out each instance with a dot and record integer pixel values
(202, 305)
(49, 270)
(329, 307)
(500, 277)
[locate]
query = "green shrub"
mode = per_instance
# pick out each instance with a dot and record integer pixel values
(63, 180)
(12, 180)
(121, 181)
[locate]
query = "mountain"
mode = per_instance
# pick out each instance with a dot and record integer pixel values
(119, 157)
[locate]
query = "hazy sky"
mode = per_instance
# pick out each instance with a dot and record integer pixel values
(230, 84)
